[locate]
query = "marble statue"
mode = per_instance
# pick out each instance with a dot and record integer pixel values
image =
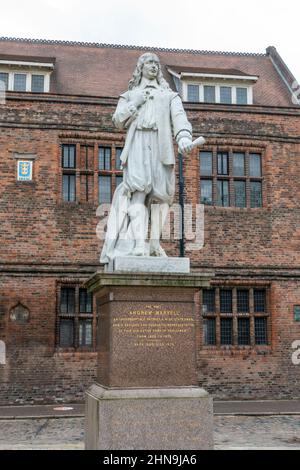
(150, 112)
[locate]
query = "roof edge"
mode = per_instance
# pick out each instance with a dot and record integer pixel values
(282, 69)
(132, 47)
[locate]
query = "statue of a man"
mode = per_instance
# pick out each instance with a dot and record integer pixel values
(150, 111)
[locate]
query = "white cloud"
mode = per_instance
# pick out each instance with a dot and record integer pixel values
(216, 25)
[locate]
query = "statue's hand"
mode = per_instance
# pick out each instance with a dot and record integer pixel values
(185, 145)
(139, 98)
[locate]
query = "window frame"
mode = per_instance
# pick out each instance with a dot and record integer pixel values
(68, 171)
(215, 150)
(227, 83)
(6, 82)
(37, 75)
(87, 170)
(11, 71)
(77, 316)
(235, 316)
(114, 170)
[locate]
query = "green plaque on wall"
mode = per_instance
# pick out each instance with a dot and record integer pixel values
(297, 312)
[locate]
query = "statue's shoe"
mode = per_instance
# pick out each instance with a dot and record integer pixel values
(157, 250)
(138, 251)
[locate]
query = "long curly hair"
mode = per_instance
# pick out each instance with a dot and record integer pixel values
(138, 72)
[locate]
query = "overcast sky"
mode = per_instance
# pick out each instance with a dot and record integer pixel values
(231, 25)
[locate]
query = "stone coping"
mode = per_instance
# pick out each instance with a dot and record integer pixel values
(102, 279)
(100, 392)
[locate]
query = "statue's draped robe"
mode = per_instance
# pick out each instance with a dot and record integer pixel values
(148, 159)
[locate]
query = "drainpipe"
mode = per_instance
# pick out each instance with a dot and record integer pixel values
(181, 202)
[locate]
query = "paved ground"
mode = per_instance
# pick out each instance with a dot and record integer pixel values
(255, 407)
(231, 432)
(257, 432)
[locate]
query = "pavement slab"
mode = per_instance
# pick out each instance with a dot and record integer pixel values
(231, 433)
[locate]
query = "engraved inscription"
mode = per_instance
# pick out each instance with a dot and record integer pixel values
(153, 326)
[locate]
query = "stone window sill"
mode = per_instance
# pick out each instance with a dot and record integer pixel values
(79, 354)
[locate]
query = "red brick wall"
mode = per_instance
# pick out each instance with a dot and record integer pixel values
(259, 372)
(44, 239)
(35, 371)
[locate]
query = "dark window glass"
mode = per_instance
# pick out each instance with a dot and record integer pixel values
(119, 180)
(225, 95)
(240, 193)
(238, 164)
(104, 189)
(255, 194)
(69, 188)
(19, 82)
(85, 333)
(66, 333)
(119, 150)
(85, 301)
(259, 300)
(209, 329)
(222, 163)
(209, 94)
(206, 192)
(37, 83)
(243, 331)
(225, 300)
(178, 85)
(242, 301)
(4, 80)
(206, 163)
(67, 300)
(226, 331)
(261, 330)
(255, 164)
(104, 158)
(69, 156)
(193, 93)
(223, 193)
(208, 301)
(241, 96)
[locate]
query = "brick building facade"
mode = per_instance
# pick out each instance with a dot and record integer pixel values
(246, 175)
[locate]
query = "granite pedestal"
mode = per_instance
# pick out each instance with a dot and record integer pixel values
(147, 394)
(147, 419)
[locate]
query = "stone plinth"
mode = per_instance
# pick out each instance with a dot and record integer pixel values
(146, 396)
(165, 419)
(146, 329)
(149, 264)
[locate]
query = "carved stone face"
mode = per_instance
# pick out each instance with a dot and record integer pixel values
(150, 68)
